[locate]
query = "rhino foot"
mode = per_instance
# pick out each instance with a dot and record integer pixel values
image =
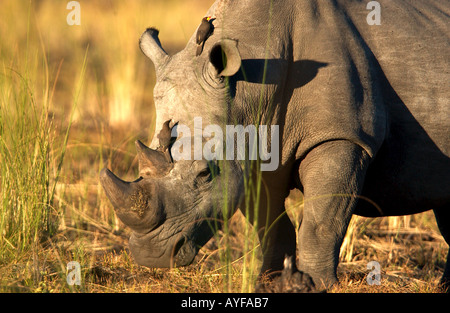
(290, 281)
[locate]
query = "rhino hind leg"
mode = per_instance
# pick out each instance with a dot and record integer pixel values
(443, 220)
(332, 176)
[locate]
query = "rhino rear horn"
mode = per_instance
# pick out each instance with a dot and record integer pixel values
(152, 163)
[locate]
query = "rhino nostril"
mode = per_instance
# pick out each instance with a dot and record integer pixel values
(177, 253)
(178, 245)
(184, 252)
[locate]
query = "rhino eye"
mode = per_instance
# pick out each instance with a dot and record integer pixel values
(206, 171)
(203, 177)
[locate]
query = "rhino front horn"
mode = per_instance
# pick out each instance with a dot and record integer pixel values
(133, 202)
(116, 189)
(152, 163)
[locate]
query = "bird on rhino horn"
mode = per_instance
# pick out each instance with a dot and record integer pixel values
(156, 162)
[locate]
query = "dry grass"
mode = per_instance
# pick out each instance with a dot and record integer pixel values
(412, 258)
(410, 250)
(113, 109)
(412, 254)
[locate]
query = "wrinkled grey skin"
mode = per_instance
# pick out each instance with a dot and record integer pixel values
(170, 216)
(364, 119)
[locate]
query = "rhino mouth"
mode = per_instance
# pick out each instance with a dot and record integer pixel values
(148, 251)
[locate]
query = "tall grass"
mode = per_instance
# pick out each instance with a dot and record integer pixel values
(31, 151)
(25, 139)
(25, 132)
(25, 146)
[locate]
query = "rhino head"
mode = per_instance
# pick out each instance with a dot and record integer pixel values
(173, 208)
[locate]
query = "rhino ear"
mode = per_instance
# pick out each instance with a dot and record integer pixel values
(225, 57)
(151, 47)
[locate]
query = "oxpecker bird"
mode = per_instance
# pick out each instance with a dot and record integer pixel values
(204, 31)
(166, 140)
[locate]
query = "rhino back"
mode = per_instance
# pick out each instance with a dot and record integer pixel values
(332, 76)
(412, 46)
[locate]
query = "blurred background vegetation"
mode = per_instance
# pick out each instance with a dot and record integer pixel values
(116, 91)
(73, 99)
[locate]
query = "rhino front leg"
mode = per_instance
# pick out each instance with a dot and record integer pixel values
(332, 176)
(275, 230)
(277, 242)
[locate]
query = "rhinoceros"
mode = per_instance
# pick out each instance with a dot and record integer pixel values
(364, 128)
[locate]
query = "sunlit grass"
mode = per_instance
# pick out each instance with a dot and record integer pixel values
(32, 150)
(25, 132)
(26, 136)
